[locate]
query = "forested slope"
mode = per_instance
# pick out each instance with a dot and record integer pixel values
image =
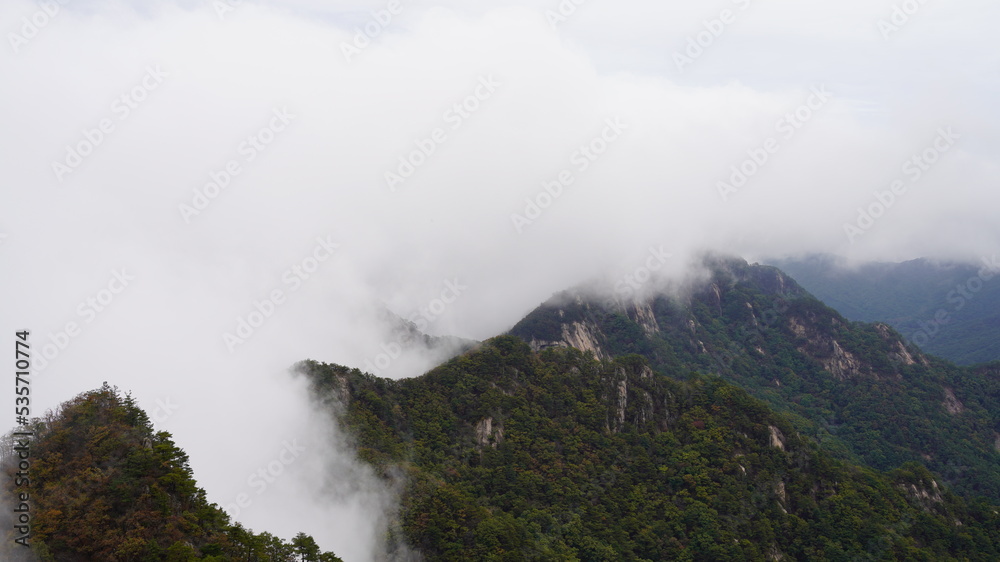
(104, 487)
(509, 454)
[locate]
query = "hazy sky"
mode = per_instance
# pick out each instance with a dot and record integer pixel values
(174, 168)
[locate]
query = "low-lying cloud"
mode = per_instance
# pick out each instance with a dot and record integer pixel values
(242, 170)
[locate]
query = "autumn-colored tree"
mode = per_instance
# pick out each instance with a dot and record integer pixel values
(106, 488)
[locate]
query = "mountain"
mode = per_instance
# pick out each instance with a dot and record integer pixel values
(951, 310)
(732, 418)
(104, 487)
(512, 454)
(410, 337)
(857, 389)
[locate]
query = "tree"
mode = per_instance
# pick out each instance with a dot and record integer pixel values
(306, 548)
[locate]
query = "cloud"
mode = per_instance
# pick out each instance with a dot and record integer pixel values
(480, 106)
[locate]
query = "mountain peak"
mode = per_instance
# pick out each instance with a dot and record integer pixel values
(753, 325)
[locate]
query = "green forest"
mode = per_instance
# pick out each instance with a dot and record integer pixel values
(105, 487)
(857, 389)
(739, 420)
(910, 296)
(515, 455)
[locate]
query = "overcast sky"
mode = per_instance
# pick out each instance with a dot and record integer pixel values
(172, 168)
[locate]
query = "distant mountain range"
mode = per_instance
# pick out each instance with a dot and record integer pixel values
(740, 420)
(951, 310)
(857, 389)
(737, 419)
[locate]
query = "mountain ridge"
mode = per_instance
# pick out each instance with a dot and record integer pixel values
(514, 454)
(740, 419)
(756, 327)
(948, 309)
(105, 487)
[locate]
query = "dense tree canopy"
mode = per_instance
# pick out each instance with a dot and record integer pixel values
(106, 488)
(515, 455)
(858, 389)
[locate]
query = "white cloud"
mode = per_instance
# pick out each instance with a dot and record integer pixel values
(324, 175)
